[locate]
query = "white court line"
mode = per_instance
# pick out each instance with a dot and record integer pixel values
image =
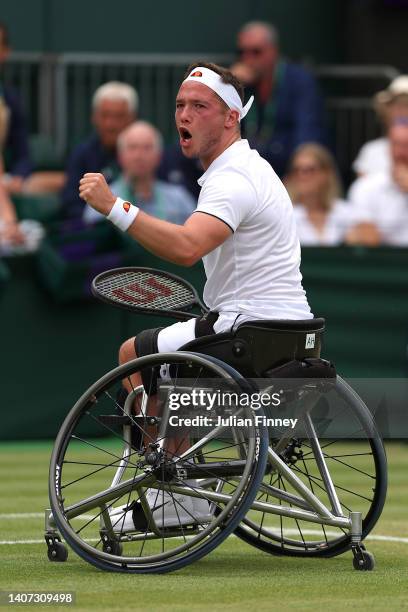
(21, 515)
(36, 541)
(379, 538)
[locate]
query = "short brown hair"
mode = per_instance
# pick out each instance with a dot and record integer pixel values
(225, 74)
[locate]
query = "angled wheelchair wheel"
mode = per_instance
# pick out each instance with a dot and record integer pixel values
(345, 474)
(129, 493)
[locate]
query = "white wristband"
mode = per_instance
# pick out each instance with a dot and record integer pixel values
(123, 214)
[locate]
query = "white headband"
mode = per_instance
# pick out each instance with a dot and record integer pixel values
(227, 92)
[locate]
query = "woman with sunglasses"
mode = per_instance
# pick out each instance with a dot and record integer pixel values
(322, 217)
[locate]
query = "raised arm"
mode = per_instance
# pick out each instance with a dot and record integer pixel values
(180, 244)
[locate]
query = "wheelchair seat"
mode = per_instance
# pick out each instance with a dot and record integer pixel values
(255, 347)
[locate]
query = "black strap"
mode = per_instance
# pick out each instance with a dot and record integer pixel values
(204, 326)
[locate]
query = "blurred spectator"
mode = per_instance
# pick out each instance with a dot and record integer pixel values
(114, 107)
(180, 170)
(139, 152)
(9, 229)
(16, 237)
(288, 108)
(380, 200)
(390, 105)
(322, 217)
(14, 137)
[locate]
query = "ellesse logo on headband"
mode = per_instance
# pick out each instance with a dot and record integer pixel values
(126, 206)
(197, 73)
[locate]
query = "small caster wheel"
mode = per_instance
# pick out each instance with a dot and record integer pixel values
(364, 561)
(113, 547)
(57, 552)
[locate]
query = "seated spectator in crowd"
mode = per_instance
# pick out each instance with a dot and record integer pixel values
(322, 217)
(288, 108)
(16, 236)
(10, 232)
(139, 153)
(380, 201)
(114, 107)
(14, 131)
(390, 105)
(180, 170)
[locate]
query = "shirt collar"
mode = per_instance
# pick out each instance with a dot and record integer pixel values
(224, 159)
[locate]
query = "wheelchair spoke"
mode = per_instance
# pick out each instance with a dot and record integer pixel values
(316, 478)
(325, 534)
(113, 464)
(352, 467)
(296, 521)
(348, 455)
(97, 447)
(148, 525)
(178, 515)
(103, 466)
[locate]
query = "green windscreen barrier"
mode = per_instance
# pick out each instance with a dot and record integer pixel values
(4, 277)
(51, 352)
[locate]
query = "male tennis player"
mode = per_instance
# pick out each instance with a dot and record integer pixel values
(243, 227)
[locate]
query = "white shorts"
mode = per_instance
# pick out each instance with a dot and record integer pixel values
(173, 337)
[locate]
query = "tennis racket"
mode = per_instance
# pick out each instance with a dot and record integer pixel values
(147, 291)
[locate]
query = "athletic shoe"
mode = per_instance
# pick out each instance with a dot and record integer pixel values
(122, 518)
(200, 505)
(168, 510)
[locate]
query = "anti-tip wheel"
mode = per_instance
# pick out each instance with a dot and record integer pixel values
(57, 552)
(364, 561)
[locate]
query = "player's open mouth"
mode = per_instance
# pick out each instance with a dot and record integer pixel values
(185, 136)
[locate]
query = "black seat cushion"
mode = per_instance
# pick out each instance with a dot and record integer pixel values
(256, 346)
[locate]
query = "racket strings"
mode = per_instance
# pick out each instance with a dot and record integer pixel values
(145, 290)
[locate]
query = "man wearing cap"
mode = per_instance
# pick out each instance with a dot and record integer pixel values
(243, 227)
(288, 107)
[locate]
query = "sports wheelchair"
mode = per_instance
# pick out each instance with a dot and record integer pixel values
(309, 486)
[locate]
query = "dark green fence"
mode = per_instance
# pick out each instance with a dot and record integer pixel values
(51, 352)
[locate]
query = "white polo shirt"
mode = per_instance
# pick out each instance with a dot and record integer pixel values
(377, 199)
(255, 272)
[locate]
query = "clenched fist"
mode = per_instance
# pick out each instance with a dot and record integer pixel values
(94, 189)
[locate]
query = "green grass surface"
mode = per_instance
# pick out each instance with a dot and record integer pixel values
(233, 577)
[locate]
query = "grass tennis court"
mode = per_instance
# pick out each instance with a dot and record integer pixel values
(234, 576)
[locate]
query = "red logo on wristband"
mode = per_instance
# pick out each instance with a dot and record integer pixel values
(126, 206)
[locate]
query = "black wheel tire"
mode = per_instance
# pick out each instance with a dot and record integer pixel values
(58, 552)
(366, 564)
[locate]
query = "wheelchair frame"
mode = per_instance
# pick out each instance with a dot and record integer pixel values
(308, 506)
(234, 356)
